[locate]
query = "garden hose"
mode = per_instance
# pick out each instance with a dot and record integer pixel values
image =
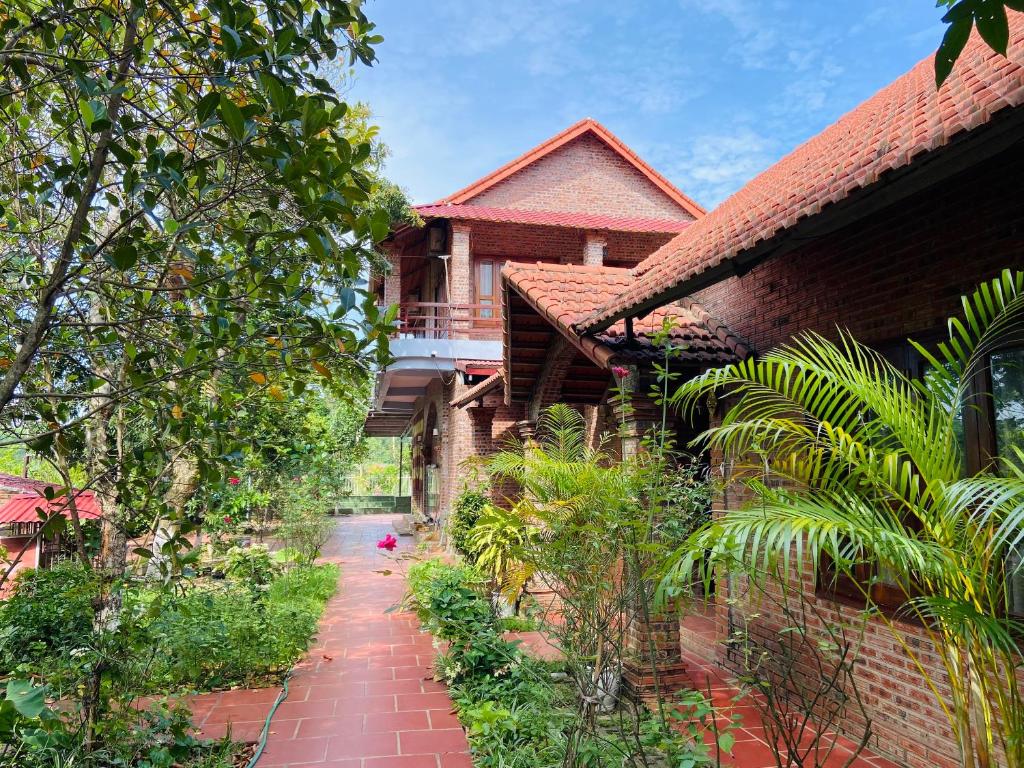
(266, 724)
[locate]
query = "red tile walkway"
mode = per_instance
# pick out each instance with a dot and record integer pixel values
(363, 697)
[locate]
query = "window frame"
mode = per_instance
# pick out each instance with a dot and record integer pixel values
(478, 295)
(866, 586)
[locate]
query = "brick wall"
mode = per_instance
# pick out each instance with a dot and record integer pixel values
(899, 274)
(465, 433)
(584, 175)
(527, 243)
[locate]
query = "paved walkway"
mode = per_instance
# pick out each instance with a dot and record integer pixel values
(363, 697)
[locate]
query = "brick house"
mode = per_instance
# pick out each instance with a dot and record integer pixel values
(581, 202)
(878, 224)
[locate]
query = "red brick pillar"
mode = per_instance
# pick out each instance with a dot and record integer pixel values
(460, 277)
(527, 431)
(392, 279)
(653, 653)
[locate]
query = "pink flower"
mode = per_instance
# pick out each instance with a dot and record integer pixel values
(620, 371)
(389, 543)
(234, 480)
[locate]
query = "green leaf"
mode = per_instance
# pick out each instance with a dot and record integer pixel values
(207, 105)
(993, 25)
(232, 117)
(124, 256)
(28, 699)
(726, 741)
(952, 46)
(380, 224)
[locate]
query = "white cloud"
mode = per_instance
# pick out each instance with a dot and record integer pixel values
(712, 166)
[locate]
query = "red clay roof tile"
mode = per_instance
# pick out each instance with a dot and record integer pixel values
(568, 293)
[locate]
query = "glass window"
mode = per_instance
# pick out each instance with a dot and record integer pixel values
(486, 288)
(1007, 370)
(1008, 403)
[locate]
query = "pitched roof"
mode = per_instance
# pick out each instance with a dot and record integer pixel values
(565, 294)
(551, 218)
(477, 391)
(22, 508)
(587, 125)
(18, 483)
(888, 131)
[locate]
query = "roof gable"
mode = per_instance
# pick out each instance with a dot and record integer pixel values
(586, 135)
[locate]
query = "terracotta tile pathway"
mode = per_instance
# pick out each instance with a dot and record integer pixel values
(363, 697)
(751, 749)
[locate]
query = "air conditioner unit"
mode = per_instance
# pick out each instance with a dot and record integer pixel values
(437, 237)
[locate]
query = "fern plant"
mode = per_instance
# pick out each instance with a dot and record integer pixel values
(501, 540)
(851, 459)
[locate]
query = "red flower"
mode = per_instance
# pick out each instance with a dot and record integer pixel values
(389, 543)
(620, 371)
(227, 518)
(233, 481)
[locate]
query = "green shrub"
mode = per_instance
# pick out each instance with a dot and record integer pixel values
(251, 565)
(305, 526)
(32, 735)
(222, 635)
(465, 512)
(50, 613)
(451, 604)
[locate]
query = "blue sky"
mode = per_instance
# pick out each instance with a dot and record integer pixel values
(710, 92)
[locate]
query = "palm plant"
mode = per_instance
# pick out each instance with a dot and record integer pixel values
(851, 459)
(499, 539)
(573, 513)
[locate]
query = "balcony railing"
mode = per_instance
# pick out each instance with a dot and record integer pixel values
(427, 320)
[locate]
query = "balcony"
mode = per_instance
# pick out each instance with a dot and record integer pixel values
(430, 340)
(426, 320)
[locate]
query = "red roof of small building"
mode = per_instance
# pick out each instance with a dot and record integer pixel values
(18, 483)
(477, 391)
(23, 507)
(587, 125)
(571, 219)
(888, 131)
(565, 294)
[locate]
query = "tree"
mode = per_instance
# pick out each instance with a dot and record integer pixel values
(185, 210)
(852, 461)
(963, 15)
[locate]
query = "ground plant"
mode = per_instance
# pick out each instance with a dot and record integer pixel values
(851, 460)
(519, 711)
(464, 515)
